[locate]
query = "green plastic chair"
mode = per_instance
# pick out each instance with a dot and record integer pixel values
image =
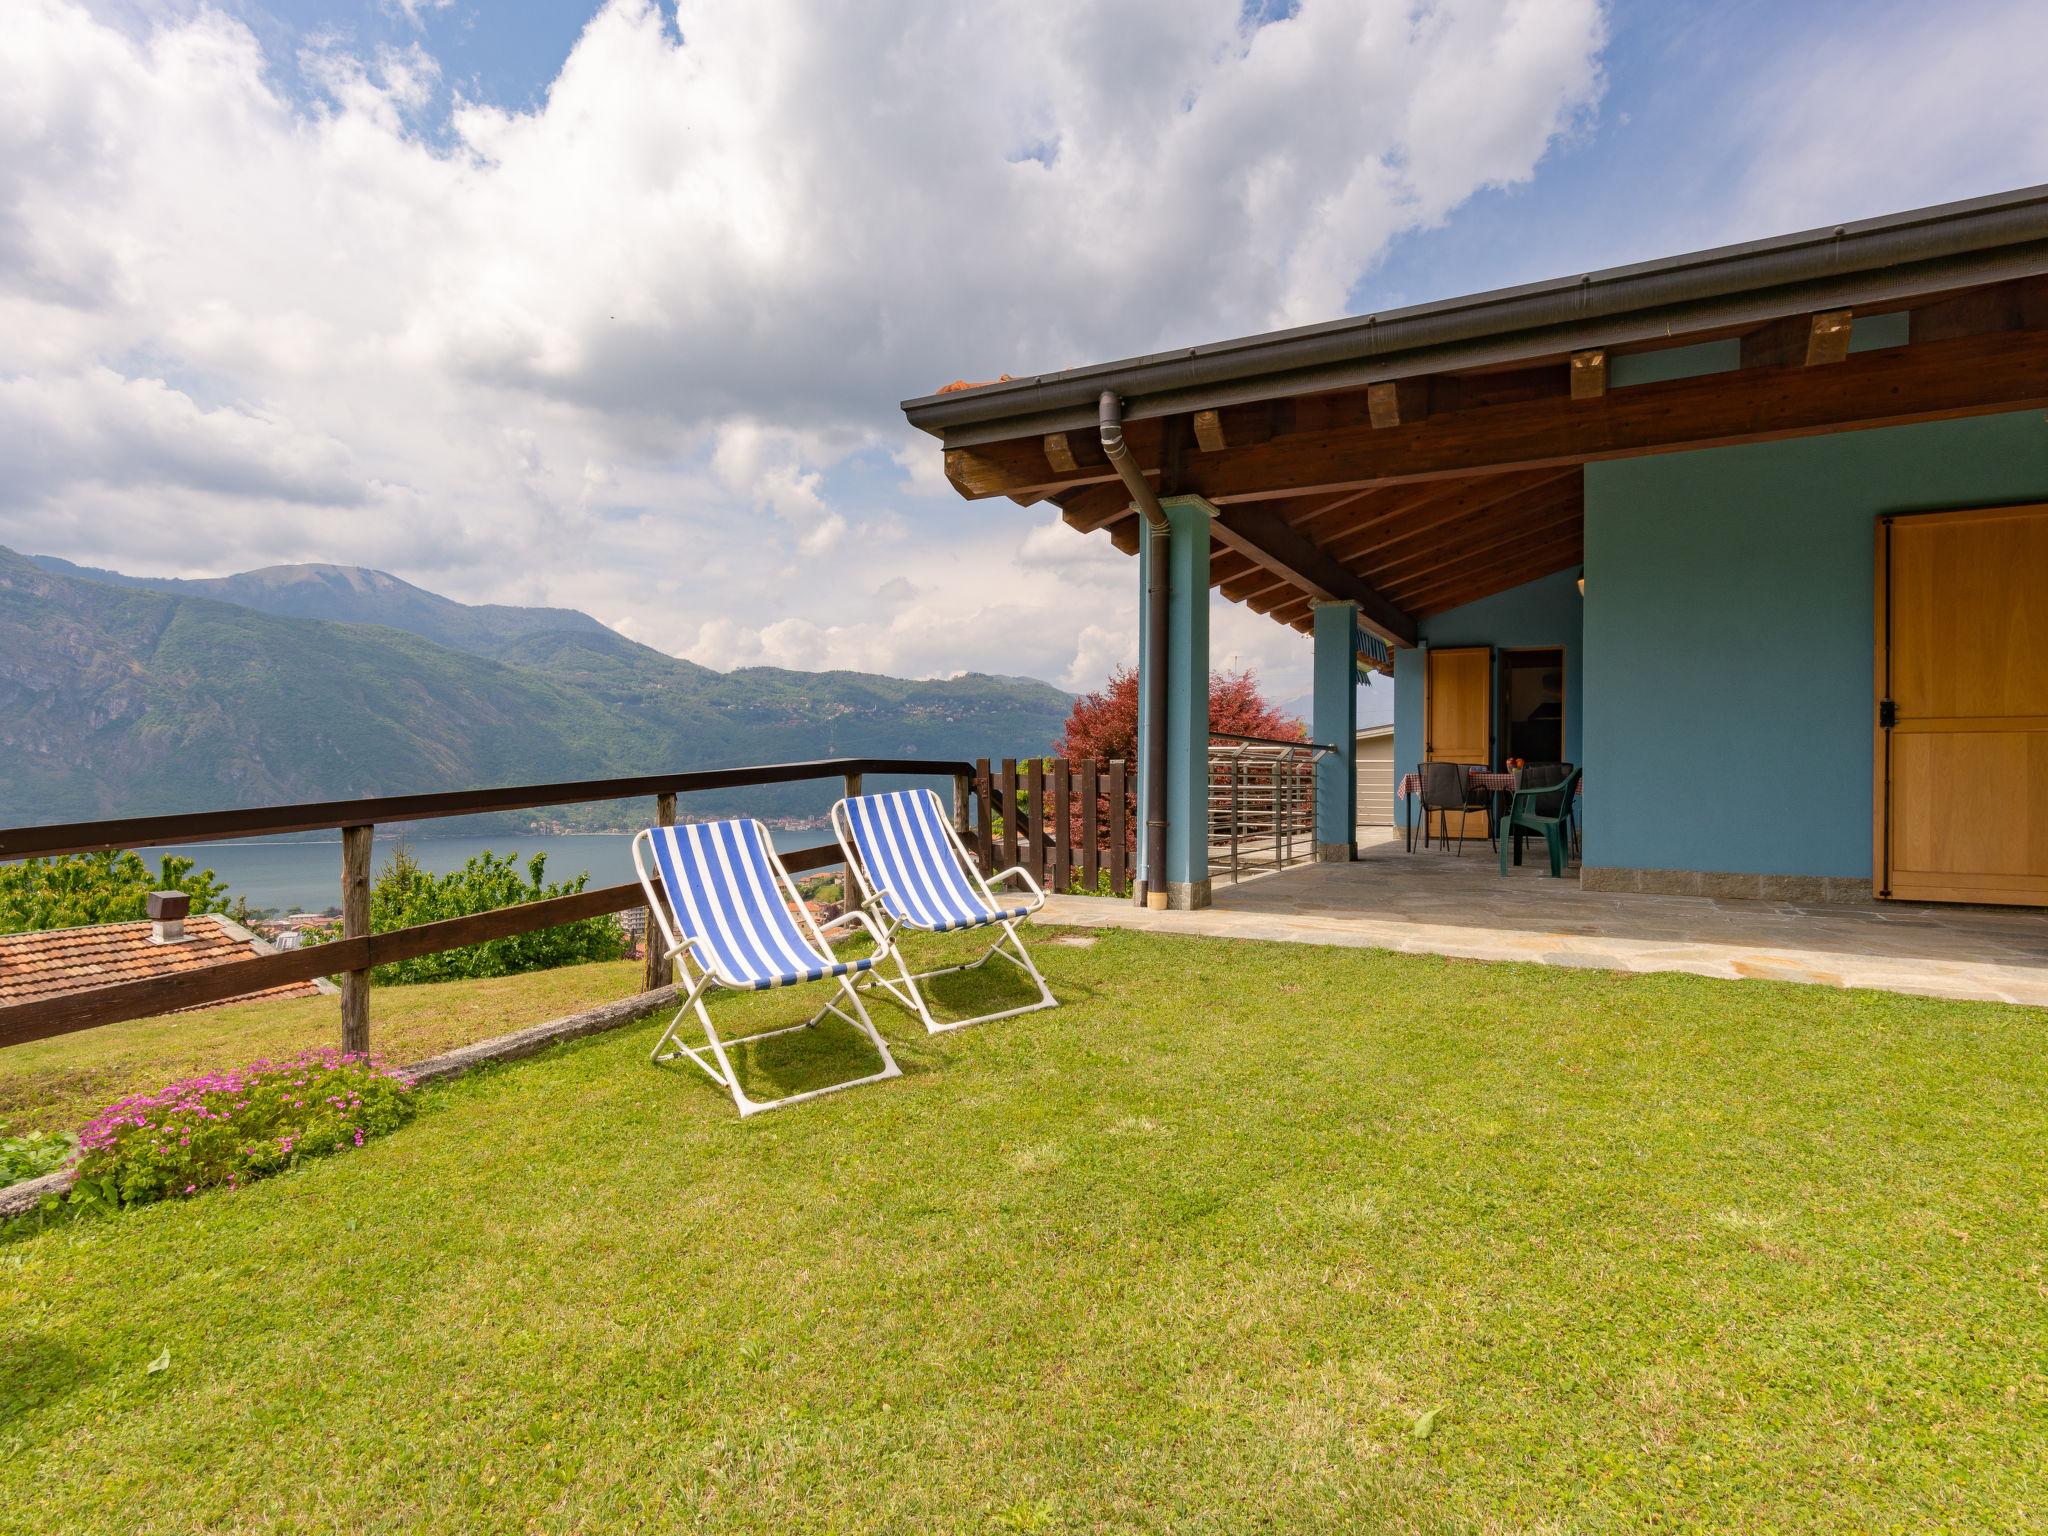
(1524, 815)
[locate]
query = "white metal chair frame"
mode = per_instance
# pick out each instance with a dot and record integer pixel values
(887, 924)
(694, 971)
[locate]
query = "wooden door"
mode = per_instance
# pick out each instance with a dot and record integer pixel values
(1457, 703)
(1962, 683)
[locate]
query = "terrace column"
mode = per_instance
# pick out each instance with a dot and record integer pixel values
(1186, 734)
(1336, 724)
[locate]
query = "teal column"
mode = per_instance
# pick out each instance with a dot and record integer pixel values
(1336, 724)
(1186, 728)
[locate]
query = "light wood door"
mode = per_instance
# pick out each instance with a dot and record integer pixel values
(1962, 678)
(1457, 703)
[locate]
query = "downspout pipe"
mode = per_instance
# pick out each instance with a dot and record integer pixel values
(1158, 591)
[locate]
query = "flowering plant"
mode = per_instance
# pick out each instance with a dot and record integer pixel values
(232, 1127)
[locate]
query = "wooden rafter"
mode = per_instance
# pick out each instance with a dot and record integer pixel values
(1267, 538)
(1448, 518)
(1522, 553)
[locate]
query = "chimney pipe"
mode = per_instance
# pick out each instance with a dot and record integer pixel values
(167, 911)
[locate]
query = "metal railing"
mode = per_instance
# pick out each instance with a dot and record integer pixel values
(1262, 804)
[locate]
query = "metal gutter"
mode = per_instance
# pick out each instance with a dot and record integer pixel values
(1897, 257)
(1158, 594)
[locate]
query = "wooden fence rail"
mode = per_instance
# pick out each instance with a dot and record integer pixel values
(358, 951)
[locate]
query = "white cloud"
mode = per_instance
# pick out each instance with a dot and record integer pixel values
(1924, 105)
(638, 349)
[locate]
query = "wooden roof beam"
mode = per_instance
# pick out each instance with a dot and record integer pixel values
(1589, 374)
(1465, 511)
(1969, 376)
(1266, 537)
(1549, 513)
(1532, 566)
(1507, 554)
(1926, 381)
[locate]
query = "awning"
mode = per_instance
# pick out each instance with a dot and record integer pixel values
(1373, 655)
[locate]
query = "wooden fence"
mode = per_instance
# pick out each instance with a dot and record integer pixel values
(1073, 826)
(358, 950)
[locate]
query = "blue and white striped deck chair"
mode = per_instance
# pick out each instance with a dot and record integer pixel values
(913, 872)
(732, 919)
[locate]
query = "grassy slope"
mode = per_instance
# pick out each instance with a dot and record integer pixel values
(58, 1084)
(1190, 1254)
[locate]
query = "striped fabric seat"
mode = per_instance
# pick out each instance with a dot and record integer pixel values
(903, 846)
(725, 894)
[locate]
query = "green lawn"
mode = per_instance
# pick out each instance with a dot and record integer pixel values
(1197, 1252)
(54, 1085)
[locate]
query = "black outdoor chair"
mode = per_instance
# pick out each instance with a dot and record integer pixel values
(1479, 798)
(1444, 790)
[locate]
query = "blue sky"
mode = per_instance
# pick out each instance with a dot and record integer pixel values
(552, 303)
(1651, 172)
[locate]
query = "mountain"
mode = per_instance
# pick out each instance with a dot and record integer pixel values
(122, 698)
(351, 594)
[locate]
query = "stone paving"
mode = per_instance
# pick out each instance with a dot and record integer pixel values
(1433, 902)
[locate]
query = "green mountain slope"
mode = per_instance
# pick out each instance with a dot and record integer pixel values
(352, 594)
(123, 700)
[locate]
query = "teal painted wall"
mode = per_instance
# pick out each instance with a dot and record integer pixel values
(1729, 619)
(1543, 612)
(1186, 551)
(1336, 722)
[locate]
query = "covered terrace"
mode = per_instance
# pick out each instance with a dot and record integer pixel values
(1662, 482)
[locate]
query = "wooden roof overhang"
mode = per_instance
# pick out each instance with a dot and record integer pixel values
(1417, 461)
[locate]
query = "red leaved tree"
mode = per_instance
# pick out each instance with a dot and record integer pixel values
(1104, 724)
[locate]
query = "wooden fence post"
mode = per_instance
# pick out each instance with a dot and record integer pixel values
(1091, 830)
(1009, 798)
(1060, 820)
(1119, 829)
(847, 899)
(654, 963)
(962, 785)
(355, 924)
(1034, 827)
(984, 822)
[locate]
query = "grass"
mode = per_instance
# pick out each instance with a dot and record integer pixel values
(1207, 1249)
(58, 1084)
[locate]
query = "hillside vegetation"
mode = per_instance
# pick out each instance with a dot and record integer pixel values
(120, 699)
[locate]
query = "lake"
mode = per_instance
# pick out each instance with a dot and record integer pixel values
(306, 877)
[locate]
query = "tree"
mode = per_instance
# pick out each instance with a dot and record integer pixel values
(1104, 724)
(73, 890)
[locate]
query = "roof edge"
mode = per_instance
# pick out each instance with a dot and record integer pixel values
(1976, 240)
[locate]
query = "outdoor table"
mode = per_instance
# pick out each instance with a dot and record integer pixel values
(1499, 783)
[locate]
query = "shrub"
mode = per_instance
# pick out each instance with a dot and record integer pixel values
(75, 889)
(232, 1127)
(33, 1155)
(405, 894)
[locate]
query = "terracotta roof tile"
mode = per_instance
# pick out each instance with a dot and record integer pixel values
(59, 960)
(960, 384)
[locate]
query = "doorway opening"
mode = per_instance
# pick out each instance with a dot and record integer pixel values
(1532, 705)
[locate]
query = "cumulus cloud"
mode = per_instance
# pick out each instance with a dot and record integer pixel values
(1925, 105)
(637, 349)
